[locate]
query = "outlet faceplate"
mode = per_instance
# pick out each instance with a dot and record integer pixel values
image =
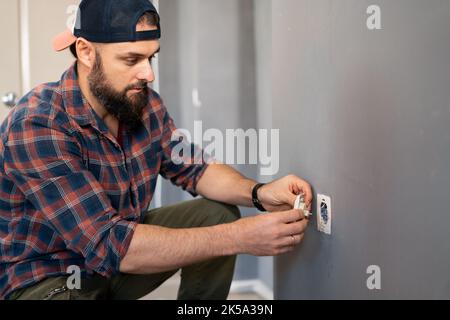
(324, 213)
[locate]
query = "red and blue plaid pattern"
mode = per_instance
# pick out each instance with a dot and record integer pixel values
(69, 193)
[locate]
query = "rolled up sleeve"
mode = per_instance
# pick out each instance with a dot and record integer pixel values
(45, 162)
(184, 163)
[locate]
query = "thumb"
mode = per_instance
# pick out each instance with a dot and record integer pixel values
(292, 198)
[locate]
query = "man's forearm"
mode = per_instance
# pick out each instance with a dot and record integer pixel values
(155, 249)
(224, 184)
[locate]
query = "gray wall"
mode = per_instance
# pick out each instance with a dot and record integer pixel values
(263, 56)
(365, 118)
(210, 45)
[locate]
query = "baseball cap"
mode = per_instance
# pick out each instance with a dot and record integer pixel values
(108, 21)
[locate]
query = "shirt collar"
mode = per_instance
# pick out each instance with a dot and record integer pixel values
(76, 104)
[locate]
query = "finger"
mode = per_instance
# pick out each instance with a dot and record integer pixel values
(280, 208)
(292, 199)
(295, 228)
(306, 190)
(285, 250)
(299, 238)
(291, 216)
(291, 242)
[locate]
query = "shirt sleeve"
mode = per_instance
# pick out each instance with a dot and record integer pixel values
(184, 163)
(45, 162)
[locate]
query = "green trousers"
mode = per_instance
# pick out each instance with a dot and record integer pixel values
(209, 280)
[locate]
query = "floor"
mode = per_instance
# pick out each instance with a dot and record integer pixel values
(168, 291)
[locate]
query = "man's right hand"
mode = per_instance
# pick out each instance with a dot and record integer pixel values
(270, 234)
(156, 249)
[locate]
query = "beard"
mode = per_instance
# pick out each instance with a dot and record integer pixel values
(127, 110)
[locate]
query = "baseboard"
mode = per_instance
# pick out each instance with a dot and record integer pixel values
(252, 286)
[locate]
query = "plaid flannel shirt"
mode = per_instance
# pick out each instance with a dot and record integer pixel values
(69, 193)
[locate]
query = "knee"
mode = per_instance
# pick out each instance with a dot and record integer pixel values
(222, 212)
(230, 212)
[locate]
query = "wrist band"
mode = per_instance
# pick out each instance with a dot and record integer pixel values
(258, 205)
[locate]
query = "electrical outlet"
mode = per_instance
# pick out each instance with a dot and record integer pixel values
(324, 214)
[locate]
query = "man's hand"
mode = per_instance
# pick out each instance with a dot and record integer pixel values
(280, 195)
(269, 234)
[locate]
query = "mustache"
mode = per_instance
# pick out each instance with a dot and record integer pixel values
(139, 85)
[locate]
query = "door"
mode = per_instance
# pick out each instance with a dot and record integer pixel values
(27, 56)
(10, 57)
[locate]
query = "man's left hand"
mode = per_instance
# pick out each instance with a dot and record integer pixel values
(280, 195)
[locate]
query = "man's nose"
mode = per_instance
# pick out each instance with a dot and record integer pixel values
(146, 73)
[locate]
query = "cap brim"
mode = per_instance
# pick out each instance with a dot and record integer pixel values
(63, 40)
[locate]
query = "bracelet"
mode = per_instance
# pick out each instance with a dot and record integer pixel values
(258, 205)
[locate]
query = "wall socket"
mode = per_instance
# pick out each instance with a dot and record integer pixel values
(324, 213)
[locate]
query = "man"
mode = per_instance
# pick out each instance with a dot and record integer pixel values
(79, 162)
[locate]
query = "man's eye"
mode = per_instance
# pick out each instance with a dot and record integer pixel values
(131, 62)
(152, 58)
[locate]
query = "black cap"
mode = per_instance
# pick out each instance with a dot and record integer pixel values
(108, 21)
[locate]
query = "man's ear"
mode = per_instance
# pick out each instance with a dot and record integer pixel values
(85, 52)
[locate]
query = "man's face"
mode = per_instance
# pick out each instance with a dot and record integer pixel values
(120, 77)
